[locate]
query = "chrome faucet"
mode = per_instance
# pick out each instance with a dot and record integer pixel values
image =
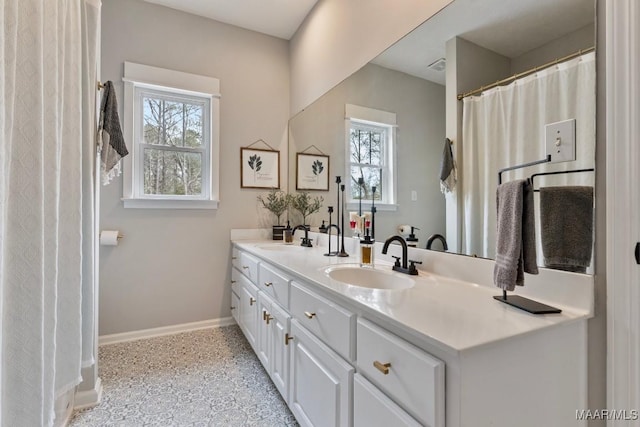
(306, 241)
(397, 267)
(437, 237)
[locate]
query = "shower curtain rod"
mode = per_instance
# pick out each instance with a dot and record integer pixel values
(526, 73)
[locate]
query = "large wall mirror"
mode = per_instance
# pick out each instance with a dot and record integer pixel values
(400, 108)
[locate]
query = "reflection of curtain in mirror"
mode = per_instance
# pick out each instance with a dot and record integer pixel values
(505, 126)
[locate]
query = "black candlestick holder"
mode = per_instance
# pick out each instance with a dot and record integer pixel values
(329, 253)
(342, 252)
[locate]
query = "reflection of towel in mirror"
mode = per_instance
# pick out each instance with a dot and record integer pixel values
(110, 140)
(515, 239)
(447, 169)
(566, 227)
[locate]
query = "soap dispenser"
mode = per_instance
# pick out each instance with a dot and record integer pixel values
(412, 240)
(366, 250)
(323, 228)
(288, 233)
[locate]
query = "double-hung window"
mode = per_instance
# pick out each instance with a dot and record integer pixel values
(370, 156)
(172, 120)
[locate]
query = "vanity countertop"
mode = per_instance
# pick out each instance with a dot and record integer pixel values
(453, 314)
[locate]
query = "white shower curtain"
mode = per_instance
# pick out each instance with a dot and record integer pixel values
(44, 209)
(505, 126)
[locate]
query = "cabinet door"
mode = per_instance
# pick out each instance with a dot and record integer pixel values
(263, 338)
(372, 408)
(320, 382)
(248, 311)
(279, 329)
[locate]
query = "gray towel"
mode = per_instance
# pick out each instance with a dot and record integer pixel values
(111, 141)
(566, 222)
(515, 240)
(447, 168)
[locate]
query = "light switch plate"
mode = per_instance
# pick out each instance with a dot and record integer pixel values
(560, 140)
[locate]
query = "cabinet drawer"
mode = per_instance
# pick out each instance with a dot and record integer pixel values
(328, 321)
(371, 407)
(247, 265)
(412, 378)
(274, 283)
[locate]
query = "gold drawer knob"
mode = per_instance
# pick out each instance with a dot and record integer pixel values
(233, 281)
(234, 257)
(252, 301)
(268, 318)
(382, 367)
(309, 315)
(267, 284)
(287, 338)
(245, 267)
(233, 308)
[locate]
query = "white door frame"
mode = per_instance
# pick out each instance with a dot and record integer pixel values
(623, 204)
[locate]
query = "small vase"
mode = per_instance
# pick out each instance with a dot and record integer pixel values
(278, 232)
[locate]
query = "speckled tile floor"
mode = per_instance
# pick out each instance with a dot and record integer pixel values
(209, 377)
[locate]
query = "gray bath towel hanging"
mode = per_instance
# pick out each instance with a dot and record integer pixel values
(515, 239)
(447, 169)
(566, 222)
(110, 140)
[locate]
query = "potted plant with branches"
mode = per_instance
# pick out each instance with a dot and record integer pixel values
(277, 202)
(305, 204)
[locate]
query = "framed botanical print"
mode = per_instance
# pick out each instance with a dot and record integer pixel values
(312, 172)
(259, 168)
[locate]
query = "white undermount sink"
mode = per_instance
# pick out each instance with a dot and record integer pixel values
(369, 277)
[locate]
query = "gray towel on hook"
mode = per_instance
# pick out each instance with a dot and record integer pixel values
(566, 223)
(515, 239)
(447, 168)
(110, 140)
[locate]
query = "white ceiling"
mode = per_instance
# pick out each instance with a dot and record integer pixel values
(278, 18)
(509, 28)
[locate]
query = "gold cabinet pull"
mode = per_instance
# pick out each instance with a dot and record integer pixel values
(264, 314)
(234, 257)
(268, 318)
(287, 338)
(267, 284)
(245, 267)
(309, 315)
(233, 308)
(233, 281)
(252, 301)
(382, 367)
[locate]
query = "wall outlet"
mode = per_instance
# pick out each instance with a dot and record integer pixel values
(560, 140)
(414, 195)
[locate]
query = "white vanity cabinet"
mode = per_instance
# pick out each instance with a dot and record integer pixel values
(348, 356)
(320, 391)
(247, 306)
(272, 349)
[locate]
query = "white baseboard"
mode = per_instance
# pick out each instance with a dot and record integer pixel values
(88, 398)
(165, 330)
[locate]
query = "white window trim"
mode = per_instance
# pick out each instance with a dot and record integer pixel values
(144, 76)
(359, 114)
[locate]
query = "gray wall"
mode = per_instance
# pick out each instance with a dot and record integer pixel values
(172, 266)
(419, 107)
